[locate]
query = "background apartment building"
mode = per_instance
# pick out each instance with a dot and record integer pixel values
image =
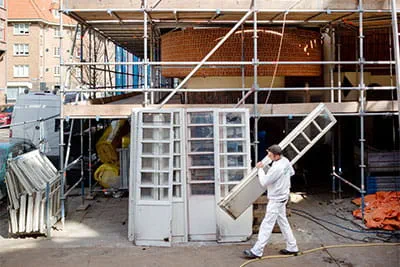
(34, 49)
(3, 49)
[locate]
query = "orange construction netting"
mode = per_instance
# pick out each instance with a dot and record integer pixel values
(382, 210)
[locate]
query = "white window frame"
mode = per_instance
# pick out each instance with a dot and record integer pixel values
(2, 30)
(21, 71)
(19, 30)
(21, 50)
(57, 70)
(2, 3)
(56, 51)
(57, 32)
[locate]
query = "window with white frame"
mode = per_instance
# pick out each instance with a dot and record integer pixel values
(57, 71)
(57, 32)
(2, 3)
(21, 29)
(21, 49)
(56, 51)
(55, 12)
(21, 70)
(2, 30)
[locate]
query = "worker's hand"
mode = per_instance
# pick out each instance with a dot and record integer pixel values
(260, 165)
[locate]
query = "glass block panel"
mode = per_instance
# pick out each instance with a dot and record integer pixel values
(156, 134)
(201, 132)
(156, 118)
(201, 118)
(201, 146)
(202, 175)
(232, 175)
(202, 189)
(202, 160)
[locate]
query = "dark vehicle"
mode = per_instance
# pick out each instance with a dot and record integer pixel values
(5, 115)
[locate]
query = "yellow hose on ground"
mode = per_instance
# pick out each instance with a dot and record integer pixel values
(317, 249)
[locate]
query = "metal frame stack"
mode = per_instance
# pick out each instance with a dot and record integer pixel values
(33, 186)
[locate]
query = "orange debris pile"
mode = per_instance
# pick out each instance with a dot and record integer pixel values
(382, 210)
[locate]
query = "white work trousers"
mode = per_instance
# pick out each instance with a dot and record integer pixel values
(276, 211)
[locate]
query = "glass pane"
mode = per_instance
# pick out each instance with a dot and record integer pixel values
(323, 120)
(177, 176)
(289, 153)
(156, 134)
(232, 175)
(234, 132)
(231, 147)
(232, 118)
(300, 142)
(177, 147)
(202, 189)
(311, 131)
(232, 161)
(177, 191)
(202, 160)
(156, 118)
(155, 163)
(202, 175)
(155, 148)
(155, 179)
(177, 161)
(163, 193)
(201, 146)
(146, 193)
(201, 118)
(176, 118)
(201, 132)
(177, 133)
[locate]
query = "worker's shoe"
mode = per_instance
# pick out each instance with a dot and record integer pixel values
(287, 252)
(250, 255)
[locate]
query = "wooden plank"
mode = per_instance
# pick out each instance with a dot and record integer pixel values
(125, 110)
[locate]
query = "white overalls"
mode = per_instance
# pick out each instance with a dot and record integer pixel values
(277, 182)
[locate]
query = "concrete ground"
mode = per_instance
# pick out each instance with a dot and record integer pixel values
(98, 237)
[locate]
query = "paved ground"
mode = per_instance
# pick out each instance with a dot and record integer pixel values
(98, 237)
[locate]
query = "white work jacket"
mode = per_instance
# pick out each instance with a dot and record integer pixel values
(277, 179)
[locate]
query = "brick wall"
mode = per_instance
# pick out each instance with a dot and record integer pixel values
(194, 44)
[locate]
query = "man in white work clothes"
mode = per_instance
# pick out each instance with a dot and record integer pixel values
(277, 183)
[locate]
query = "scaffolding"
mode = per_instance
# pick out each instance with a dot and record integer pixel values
(138, 30)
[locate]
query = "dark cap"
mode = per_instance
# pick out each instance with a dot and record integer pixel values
(275, 149)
